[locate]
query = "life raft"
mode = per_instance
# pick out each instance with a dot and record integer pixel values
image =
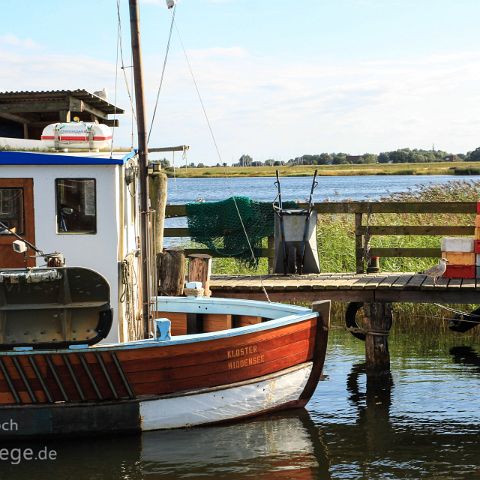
(77, 135)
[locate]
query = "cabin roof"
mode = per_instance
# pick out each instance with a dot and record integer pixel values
(25, 114)
(52, 96)
(89, 158)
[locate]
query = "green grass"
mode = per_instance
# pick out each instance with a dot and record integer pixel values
(434, 168)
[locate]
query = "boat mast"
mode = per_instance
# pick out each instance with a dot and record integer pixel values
(143, 160)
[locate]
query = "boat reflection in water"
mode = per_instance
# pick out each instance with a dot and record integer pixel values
(360, 429)
(286, 446)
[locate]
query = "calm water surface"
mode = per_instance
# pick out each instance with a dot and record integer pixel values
(423, 421)
(361, 187)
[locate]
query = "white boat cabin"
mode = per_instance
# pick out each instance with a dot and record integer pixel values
(81, 205)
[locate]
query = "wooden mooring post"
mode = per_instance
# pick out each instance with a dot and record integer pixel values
(158, 200)
(378, 321)
(171, 272)
(200, 269)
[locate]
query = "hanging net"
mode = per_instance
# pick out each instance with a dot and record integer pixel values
(217, 226)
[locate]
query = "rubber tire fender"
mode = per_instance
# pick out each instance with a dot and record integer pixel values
(351, 320)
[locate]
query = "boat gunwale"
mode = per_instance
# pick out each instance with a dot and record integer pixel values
(295, 314)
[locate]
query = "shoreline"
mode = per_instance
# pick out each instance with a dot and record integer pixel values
(434, 168)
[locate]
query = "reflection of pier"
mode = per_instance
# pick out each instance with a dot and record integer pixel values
(466, 356)
(378, 443)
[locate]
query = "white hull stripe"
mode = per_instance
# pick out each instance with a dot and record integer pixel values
(225, 404)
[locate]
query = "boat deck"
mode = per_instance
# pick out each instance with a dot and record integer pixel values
(348, 287)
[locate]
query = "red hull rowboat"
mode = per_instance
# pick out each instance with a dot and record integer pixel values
(166, 382)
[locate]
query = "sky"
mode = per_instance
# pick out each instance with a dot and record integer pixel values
(278, 78)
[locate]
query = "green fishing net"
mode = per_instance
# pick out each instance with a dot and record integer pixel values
(217, 226)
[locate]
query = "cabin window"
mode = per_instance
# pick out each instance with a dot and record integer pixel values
(76, 205)
(11, 210)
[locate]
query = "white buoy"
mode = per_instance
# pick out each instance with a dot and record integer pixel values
(171, 3)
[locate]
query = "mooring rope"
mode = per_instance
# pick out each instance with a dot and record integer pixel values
(458, 312)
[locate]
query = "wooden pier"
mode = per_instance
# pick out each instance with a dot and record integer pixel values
(348, 287)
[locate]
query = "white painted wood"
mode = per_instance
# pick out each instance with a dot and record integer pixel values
(21, 144)
(225, 404)
(457, 244)
(227, 305)
(115, 235)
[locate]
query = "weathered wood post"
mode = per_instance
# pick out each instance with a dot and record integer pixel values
(158, 202)
(200, 269)
(171, 272)
(359, 247)
(271, 253)
(378, 323)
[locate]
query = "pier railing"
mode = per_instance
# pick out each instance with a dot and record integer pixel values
(365, 229)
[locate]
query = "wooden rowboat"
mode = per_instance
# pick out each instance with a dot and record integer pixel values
(167, 382)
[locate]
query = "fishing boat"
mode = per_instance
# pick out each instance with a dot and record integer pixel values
(87, 346)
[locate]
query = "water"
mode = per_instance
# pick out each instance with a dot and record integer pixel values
(423, 421)
(361, 187)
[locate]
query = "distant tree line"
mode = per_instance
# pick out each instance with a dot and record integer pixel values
(402, 155)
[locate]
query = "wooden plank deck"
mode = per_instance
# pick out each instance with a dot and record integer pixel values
(348, 287)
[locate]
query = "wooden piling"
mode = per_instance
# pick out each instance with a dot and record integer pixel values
(158, 201)
(359, 246)
(171, 272)
(378, 323)
(199, 270)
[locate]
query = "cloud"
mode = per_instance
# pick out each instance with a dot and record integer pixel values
(274, 107)
(14, 41)
(217, 53)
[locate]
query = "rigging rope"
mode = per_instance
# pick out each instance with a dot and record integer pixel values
(123, 67)
(217, 149)
(116, 83)
(163, 73)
